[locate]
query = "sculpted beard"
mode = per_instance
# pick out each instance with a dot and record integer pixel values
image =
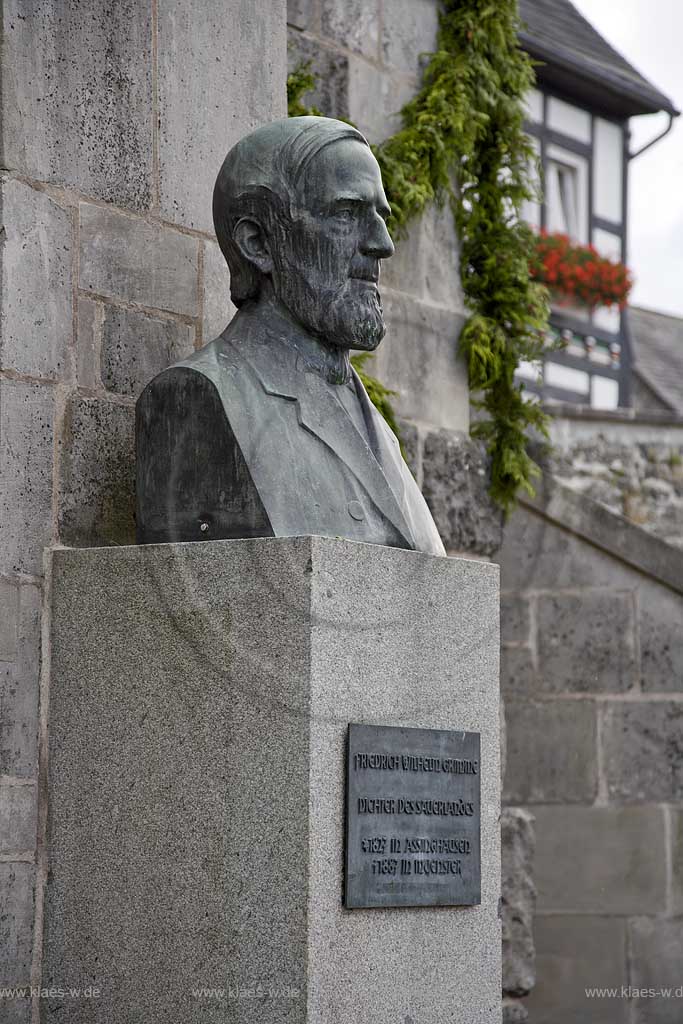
(346, 314)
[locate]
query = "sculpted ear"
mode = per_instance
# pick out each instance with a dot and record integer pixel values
(251, 240)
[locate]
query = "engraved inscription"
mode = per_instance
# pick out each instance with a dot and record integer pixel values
(413, 817)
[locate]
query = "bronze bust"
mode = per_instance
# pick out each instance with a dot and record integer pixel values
(268, 431)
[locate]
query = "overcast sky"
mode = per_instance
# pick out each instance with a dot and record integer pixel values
(649, 33)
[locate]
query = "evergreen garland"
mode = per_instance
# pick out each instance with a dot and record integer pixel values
(462, 140)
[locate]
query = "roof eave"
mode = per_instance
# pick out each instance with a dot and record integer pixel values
(616, 96)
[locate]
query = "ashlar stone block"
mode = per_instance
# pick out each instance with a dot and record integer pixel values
(77, 90)
(220, 76)
(643, 751)
(200, 699)
(135, 347)
(218, 309)
(418, 359)
(575, 953)
(586, 642)
(19, 686)
(518, 676)
(515, 619)
(600, 860)
(353, 24)
(9, 615)
(97, 484)
(409, 30)
(552, 752)
(124, 257)
(16, 923)
(656, 948)
(660, 613)
(330, 69)
(36, 321)
(26, 429)
(18, 818)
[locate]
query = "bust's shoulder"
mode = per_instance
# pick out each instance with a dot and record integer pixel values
(219, 361)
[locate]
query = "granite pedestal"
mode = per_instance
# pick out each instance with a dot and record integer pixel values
(199, 705)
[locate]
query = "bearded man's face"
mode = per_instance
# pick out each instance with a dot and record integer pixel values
(327, 263)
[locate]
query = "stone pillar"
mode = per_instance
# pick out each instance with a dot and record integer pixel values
(200, 700)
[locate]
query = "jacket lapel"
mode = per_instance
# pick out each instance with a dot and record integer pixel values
(321, 413)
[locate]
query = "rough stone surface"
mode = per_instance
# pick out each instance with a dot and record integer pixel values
(302, 14)
(676, 861)
(586, 642)
(211, 93)
(660, 613)
(353, 24)
(425, 263)
(97, 496)
(551, 752)
(18, 818)
(19, 679)
(408, 32)
(9, 619)
(575, 953)
(538, 555)
(418, 359)
(77, 88)
(16, 1011)
(454, 483)
(231, 863)
(218, 309)
(135, 347)
(643, 751)
(656, 957)
(514, 1012)
(36, 293)
(621, 851)
(88, 343)
(330, 69)
(518, 900)
(517, 672)
(642, 481)
(26, 429)
(412, 448)
(16, 923)
(375, 98)
(515, 622)
(123, 257)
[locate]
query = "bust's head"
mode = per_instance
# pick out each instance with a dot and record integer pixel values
(300, 211)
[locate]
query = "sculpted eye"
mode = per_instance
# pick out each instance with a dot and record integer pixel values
(344, 215)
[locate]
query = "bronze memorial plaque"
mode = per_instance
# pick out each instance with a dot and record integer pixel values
(412, 818)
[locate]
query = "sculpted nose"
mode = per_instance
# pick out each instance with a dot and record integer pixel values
(378, 242)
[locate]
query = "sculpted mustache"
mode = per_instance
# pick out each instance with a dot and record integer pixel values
(365, 270)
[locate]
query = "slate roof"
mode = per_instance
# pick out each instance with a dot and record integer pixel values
(581, 63)
(657, 353)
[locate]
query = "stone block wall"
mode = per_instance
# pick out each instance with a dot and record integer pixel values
(592, 676)
(115, 119)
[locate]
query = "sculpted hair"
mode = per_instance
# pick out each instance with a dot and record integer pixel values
(259, 180)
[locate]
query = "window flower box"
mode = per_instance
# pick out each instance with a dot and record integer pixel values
(579, 274)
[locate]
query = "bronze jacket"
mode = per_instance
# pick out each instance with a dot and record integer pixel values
(243, 439)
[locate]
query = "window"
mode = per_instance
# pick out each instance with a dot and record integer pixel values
(566, 193)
